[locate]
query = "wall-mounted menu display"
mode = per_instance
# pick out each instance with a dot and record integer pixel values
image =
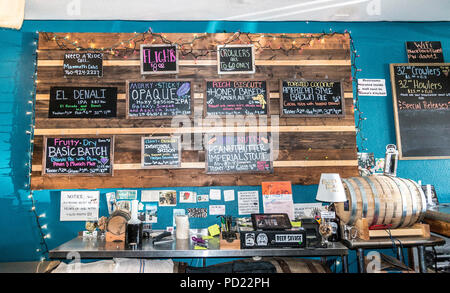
(236, 59)
(83, 64)
(82, 102)
(424, 52)
(159, 59)
(158, 98)
(421, 99)
(78, 156)
(238, 153)
(236, 97)
(161, 152)
(311, 98)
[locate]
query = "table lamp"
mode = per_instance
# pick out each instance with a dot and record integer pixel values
(331, 188)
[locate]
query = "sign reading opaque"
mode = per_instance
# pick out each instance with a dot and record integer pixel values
(236, 59)
(158, 99)
(161, 152)
(78, 156)
(159, 59)
(83, 64)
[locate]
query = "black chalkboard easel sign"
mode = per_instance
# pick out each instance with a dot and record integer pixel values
(236, 97)
(78, 156)
(159, 59)
(159, 98)
(424, 52)
(238, 153)
(236, 59)
(311, 98)
(161, 152)
(421, 100)
(83, 64)
(82, 102)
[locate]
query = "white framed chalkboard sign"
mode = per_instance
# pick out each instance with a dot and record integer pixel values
(160, 152)
(236, 59)
(159, 59)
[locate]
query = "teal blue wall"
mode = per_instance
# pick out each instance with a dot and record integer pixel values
(378, 44)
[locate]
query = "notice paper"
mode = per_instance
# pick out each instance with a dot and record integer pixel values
(228, 195)
(372, 87)
(214, 194)
(150, 195)
(279, 203)
(217, 210)
(79, 205)
(307, 210)
(248, 202)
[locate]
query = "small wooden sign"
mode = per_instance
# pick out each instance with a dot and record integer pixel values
(83, 64)
(236, 59)
(159, 59)
(424, 52)
(78, 156)
(161, 152)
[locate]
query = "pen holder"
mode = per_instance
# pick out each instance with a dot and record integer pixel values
(225, 244)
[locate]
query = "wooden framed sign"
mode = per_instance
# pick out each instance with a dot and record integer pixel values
(236, 59)
(159, 59)
(158, 98)
(421, 100)
(78, 156)
(82, 102)
(424, 52)
(236, 97)
(161, 152)
(83, 64)
(311, 98)
(238, 153)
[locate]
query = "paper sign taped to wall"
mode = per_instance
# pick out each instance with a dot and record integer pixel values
(372, 87)
(79, 205)
(248, 202)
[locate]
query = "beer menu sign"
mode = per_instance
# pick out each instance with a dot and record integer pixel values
(236, 59)
(159, 59)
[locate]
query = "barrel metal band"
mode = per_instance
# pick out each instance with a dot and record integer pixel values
(353, 198)
(403, 202)
(384, 197)
(413, 202)
(363, 196)
(424, 200)
(375, 199)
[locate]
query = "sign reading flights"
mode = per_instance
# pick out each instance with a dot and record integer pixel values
(159, 59)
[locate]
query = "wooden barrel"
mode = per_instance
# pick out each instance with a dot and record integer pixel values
(382, 200)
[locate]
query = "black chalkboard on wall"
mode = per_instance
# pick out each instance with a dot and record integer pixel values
(236, 97)
(83, 64)
(159, 98)
(236, 59)
(421, 100)
(82, 102)
(161, 152)
(424, 52)
(159, 59)
(311, 98)
(238, 153)
(78, 156)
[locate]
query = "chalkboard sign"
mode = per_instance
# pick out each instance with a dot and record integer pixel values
(83, 64)
(159, 59)
(424, 52)
(421, 99)
(236, 59)
(78, 156)
(306, 98)
(161, 152)
(236, 97)
(82, 102)
(238, 153)
(158, 98)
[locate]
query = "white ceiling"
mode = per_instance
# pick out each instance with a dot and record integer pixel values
(241, 10)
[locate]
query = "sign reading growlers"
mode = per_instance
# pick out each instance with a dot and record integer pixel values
(311, 98)
(82, 102)
(159, 59)
(236, 59)
(158, 98)
(78, 155)
(238, 153)
(83, 64)
(161, 152)
(236, 97)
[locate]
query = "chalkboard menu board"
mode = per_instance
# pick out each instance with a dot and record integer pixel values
(78, 156)
(238, 153)
(161, 152)
(236, 97)
(159, 59)
(158, 98)
(424, 52)
(311, 98)
(83, 64)
(82, 102)
(421, 99)
(236, 59)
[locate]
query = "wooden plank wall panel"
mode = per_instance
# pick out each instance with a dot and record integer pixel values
(308, 146)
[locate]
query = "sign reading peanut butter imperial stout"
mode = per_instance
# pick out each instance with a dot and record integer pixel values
(421, 98)
(78, 156)
(238, 153)
(311, 98)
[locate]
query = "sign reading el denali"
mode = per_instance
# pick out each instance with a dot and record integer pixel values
(83, 64)
(236, 59)
(159, 59)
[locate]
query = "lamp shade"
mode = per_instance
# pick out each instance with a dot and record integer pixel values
(331, 188)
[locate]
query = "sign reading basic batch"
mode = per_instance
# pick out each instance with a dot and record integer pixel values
(159, 59)
(161, 152)
(236, 59)
(78, 156)
(83, 64)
